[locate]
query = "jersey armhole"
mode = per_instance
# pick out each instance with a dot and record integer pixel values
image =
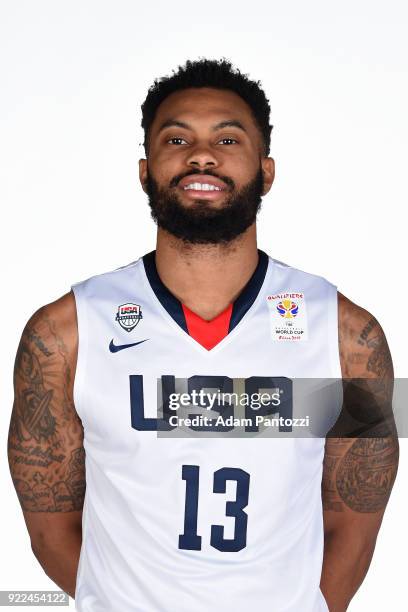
(333, 331)
(81, 310)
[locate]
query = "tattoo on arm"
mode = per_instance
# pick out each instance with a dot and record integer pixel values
(46, 455)
(379, 360)
(359, 472)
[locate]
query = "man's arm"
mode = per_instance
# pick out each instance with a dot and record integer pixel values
(358, 472)
(45, 443)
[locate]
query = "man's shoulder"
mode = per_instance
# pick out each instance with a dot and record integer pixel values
(355, 322)
(60, 313)
(363, 346)
(53, 329)
(352, 316)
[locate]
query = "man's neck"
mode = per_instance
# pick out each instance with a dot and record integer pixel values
(206, 278)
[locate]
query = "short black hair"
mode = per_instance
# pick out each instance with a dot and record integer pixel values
(219, 74)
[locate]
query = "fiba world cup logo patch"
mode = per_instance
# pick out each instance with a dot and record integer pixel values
(287, 309)
(287, 316)
(128, 316)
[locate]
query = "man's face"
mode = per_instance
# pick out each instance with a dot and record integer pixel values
(205, 173)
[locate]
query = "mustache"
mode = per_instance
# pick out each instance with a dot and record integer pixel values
(176, 179)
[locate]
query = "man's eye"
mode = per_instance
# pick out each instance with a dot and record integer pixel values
(178, 139)
(230, 140)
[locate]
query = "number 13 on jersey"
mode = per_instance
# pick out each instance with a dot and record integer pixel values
(190, 540)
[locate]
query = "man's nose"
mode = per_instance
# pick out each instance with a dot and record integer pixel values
(202, 157)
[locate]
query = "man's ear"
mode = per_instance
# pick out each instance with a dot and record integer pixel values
(143, 173)
(268, 170)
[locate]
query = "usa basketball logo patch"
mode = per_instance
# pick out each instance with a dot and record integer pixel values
(128, 316)
(288, 318)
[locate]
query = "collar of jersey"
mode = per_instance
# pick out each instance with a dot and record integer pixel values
(175, 308)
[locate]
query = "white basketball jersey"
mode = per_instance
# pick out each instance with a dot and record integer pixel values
(204, 517)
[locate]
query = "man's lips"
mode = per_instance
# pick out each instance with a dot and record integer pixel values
(203, 186)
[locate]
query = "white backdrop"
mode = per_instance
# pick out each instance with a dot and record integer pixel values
(73, 76)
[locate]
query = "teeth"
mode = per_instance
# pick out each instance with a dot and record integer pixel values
(202, 187)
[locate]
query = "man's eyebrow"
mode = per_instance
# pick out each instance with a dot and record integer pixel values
(229, 123)
(218, 126)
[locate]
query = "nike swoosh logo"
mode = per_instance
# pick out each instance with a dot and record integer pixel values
(114, 348)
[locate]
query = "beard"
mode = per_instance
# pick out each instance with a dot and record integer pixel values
(202, 223)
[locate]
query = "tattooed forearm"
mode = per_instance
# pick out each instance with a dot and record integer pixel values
(45, 449)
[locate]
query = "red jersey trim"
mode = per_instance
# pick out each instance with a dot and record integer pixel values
(208, 333)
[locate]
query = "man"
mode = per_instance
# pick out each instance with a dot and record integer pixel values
(204, 519)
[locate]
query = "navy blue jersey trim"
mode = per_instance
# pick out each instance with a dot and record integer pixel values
(165, 297)
(174, 307)
(250, 292)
